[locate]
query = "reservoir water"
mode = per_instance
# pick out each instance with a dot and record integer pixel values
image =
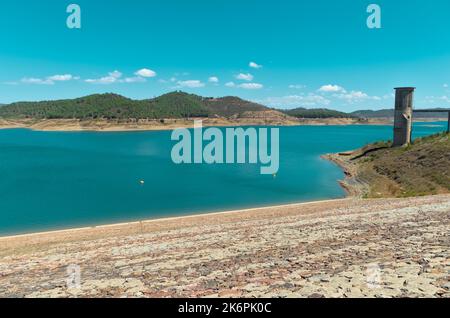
(54, 180)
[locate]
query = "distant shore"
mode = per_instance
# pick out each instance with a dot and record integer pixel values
(169, 124)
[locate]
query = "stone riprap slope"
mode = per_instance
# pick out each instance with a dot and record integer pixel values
(343, 248)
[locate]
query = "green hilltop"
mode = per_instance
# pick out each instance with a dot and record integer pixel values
(171, 105)
(317, 113)
(113, 106)
(108, 106)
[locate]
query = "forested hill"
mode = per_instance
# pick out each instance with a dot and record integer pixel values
(172, 105)
(317, 113)
(113, 106)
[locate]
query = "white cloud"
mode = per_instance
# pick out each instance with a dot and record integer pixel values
(61, 78)
(297, 86)
(103, 80)
(349, 96)
(116, 77)
(115, 74)
(213, 79)
(357, 96)
(113, 77)
(352, 95)
(145, 72)
(170, 80)
(50, 80)
(251, 86)
(331, 88)
(293, 101)
(245, 77)
(191, 84)
(255, 65)
(136, 79)
(38, 81)
(437, 99)
(182, 74)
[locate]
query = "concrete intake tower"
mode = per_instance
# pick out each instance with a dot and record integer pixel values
(404, 97)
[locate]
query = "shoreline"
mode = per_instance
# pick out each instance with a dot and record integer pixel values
(348, 195)
(378, 170)
(75, 125)
(69, 125)
(167, 219)
(354, 189)
(353, 186)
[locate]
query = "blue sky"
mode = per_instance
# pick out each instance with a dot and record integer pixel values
(306, 53)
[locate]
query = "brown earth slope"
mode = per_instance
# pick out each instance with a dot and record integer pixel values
(378, 170)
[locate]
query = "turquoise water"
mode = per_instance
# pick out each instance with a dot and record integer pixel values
(52, 180)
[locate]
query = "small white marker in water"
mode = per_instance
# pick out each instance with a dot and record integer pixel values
(142, 182)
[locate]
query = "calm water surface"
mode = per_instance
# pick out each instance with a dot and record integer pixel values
(52, 180)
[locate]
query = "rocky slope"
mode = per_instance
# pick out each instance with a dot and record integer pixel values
(343, 248)
(377, 170)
